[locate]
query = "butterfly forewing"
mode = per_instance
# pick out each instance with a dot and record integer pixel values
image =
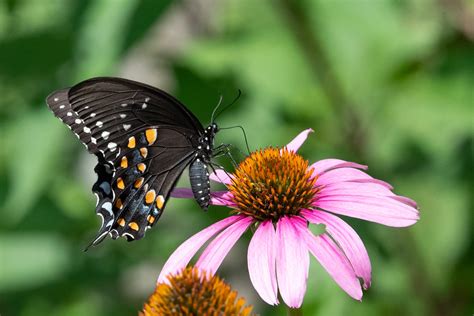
(143, 138)
(103, 111)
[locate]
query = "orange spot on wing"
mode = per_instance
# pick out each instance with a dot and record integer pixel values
(150, 196)
(143, 152)
(121, 222)
(119, 203)
(131, 142)
(138, 183)
(124, 162)
(160, 200)
(141, 167)
(120, 184)
(150, 219)
(151, 135)
(134, 226)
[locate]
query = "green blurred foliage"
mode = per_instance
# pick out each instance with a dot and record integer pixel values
(384, 83)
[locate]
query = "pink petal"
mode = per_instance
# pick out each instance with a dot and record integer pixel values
(377, 181)
(405, 200)
(328, 164)
(223, 198)
(182, 193)
(216, 251)
(335, 262)
(261, 262)
(292, 260)
(348, 174)
(181, 256)
(296, 143)
(220, 175)
(383, 210)
(354, 188)
(347, 239)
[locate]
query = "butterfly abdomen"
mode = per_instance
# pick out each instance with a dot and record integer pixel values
(199, 178)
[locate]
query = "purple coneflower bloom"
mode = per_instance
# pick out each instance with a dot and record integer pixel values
(279, 193)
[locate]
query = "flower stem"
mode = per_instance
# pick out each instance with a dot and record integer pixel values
(295, 311)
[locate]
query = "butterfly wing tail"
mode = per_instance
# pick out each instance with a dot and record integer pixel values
(104, 210)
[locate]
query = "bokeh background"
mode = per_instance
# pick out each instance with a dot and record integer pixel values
(385, 83)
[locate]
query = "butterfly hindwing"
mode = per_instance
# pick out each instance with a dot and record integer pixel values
(104, 194)
(145, 173)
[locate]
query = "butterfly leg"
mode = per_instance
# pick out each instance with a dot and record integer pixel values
(224, 150)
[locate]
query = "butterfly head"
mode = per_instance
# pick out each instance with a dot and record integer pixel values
(213, 129)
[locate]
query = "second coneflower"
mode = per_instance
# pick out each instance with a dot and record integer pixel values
(278, 192)
(193, 292)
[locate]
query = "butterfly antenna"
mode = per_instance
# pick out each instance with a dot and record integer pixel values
(215, 109)
(243, 132)
(229, 105)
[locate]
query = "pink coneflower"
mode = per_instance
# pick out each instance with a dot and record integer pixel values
(279, 193)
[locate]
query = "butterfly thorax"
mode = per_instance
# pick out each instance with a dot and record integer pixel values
(206, 143)
(198, 171)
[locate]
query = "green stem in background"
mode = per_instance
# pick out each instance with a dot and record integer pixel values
(301, 27)
(295, 311)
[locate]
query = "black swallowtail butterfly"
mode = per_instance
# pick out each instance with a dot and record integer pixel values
(144, 139)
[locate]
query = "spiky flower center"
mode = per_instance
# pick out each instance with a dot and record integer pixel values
(272, 183)
(192, 292)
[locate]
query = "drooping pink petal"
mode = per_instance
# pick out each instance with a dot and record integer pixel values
(292, 261)
(216, 251)
(348, 174)
(354, 188)
(261, 258)
(347, 239)
(182, 193)
(383, 210)
(328, 164)
(220, 175)
(333, 260)
(181, 256)
(296, 143)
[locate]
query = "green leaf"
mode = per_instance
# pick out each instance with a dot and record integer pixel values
(146, 14)
(433, 112)
(34, 144)
(71, 198)
(443, 231)
(30, 260)
(101, 38)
